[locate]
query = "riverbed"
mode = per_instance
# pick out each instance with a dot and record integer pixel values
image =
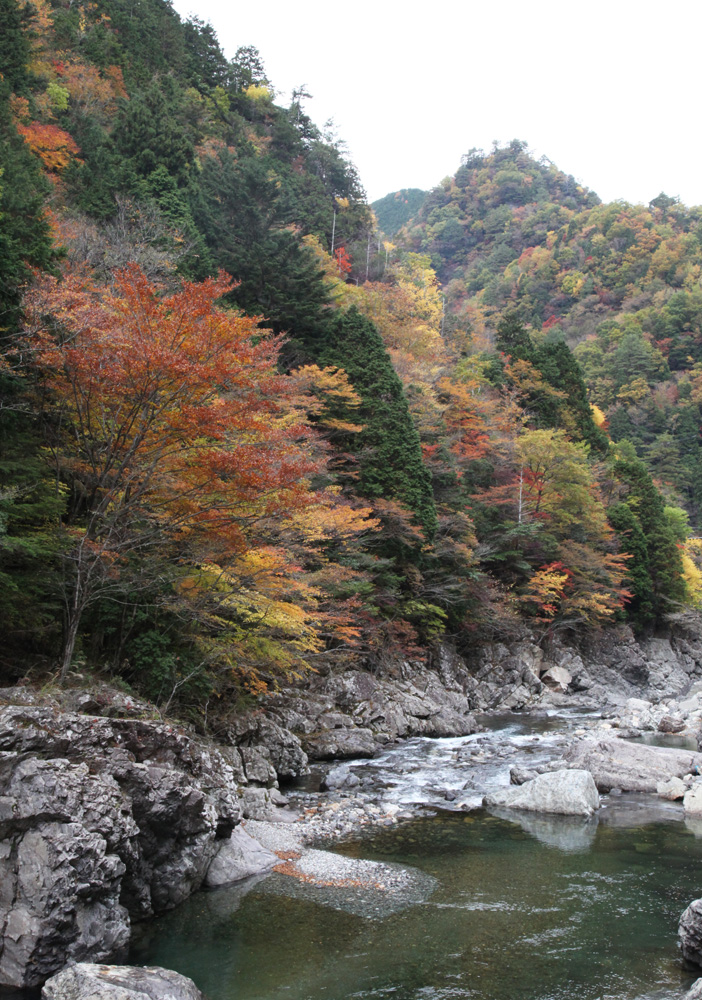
(500, 906)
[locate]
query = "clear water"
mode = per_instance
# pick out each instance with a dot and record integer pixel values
(534, 908)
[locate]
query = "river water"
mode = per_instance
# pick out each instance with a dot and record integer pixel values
(503, 907)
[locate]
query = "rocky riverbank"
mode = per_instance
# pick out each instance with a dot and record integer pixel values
(109, 815)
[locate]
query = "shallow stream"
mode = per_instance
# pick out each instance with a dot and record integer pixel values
(518, 907)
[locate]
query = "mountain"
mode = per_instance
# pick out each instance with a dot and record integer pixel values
(397, 208)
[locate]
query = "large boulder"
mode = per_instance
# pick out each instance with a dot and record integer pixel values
(119, 982)
(695, 991)
(239, 857)
(565, 793)
(632, 767)
(692, 800)
(690, 933)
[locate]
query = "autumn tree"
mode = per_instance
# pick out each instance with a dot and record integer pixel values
(168, 425)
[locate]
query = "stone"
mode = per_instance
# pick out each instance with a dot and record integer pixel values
(101, 820)
(633, 767)
(692, 802)
(518, 775)
(281, 747)
(86, 981)
(695, 991)
(339, 744)
(673, 789)
(557, 678)
(239, 857)
(671, 724)
(257, 765)
(690, 933)
(340, 777)
(65, 836)
(565, 793)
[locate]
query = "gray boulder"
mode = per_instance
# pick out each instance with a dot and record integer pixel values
(632, 767)
(239, 857)
(672, 789)
(690, 933)
(566, 793)
(692, 802)
(695, 991)
(119, 982)
(557, 678)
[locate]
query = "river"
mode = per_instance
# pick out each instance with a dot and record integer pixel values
(503, 907)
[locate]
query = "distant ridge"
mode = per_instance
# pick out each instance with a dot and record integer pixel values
(397, 208)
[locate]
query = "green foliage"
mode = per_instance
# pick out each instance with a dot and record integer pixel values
(238, 208)
(664, 561)
(568, 406)
(388, 448)
(632, 541)
(397, 208)
(31, 505)
(24, 230)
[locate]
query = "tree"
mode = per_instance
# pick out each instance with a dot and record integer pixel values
(664, 563)
(168, 426)
(388, 448)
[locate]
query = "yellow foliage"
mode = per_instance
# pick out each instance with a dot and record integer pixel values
(598, 416)
(633, 392)
(692, 573)
(259, 94)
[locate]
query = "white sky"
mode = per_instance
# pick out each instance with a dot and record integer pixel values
(610, 91)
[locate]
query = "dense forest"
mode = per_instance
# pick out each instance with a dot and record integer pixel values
(247, 421)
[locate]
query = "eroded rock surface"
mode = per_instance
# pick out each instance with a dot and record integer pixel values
(237, 858)
(86, 981)
(101, 821)
(630, 767)
(690, 933)
(564, 793)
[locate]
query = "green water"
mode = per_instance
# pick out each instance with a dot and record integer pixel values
(559, 910)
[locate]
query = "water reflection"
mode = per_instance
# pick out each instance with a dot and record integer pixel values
(567, 833)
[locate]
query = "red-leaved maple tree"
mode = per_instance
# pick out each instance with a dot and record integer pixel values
(170, 426)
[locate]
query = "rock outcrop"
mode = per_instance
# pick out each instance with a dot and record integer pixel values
(564, 793)
(101, 821)
(695, 991)
(86, 981)
(630, 767)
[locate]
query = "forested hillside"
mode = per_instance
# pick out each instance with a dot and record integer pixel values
(241, 429)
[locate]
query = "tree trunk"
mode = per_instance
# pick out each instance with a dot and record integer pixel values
(70, 643)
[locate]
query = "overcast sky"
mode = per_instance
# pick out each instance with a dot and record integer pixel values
(609, 91)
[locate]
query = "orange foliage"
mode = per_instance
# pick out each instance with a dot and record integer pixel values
(54, 147)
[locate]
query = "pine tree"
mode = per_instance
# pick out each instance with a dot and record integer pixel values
(388, 447)
(664, 559)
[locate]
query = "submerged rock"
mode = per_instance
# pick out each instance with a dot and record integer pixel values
(566, 793)
(119, 982)
(690, 933)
